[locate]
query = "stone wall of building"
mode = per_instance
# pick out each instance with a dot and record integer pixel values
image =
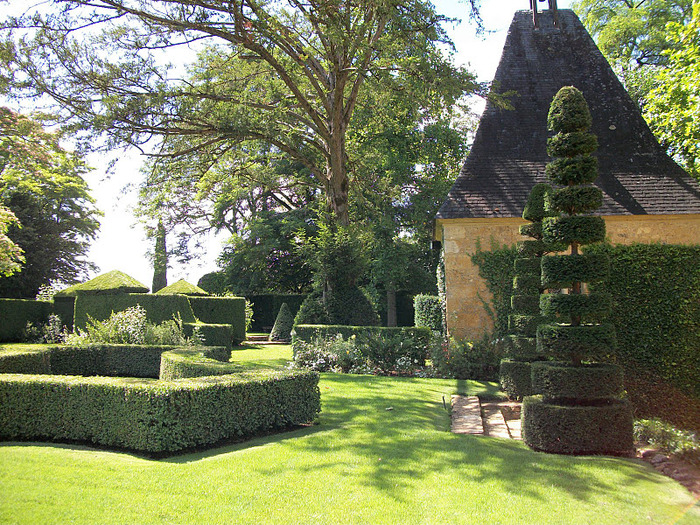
(466, 292)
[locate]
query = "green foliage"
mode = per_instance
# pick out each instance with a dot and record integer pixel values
(147, 415)
(659, 434)
(568, 113)
(604, 428)
(559, 382)
(535, 207)
(222, 310)
(577, 229)
(656, 300)
(131, 327)
(671, 108)
(312, 311)
(514, 378)
(581, 169)
(160, 260)
(308, 333)
(211, 334)
(345, 305)
(181, 287)
(561, 271)
(570, 145)
(462, 359)
(43, 185)
(587, 307)
(428, 311)
(159, 308)
(207, 361)
(585, 342)
(266, 307)
(16, 313)
(282, 330)
(110, 283)
(576, 199)
(11, 257)
(496, 268)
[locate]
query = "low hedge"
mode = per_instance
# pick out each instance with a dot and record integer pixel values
(91, 360)
(155, 416)
(514, 377)
(213, 334)
(181, 363)
(560, 382)
(15, 313)
(309, 332)
(159, 308)
(221, 310)
(562, 429)
(588, 342)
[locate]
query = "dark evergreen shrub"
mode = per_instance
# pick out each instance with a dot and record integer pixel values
(530, 248)
(528, 266)
(282, 330)
(312, 311)
(525, 325)
(222, 310)
(514, 377)
(576, 199)
(522, 348)
(526, 304)
(213, 334)
(562, 383)
(526, 284)
(577, 229)
(568, 112)
(561, 271)
(16, 313)
(428, 311)
(582, 169)
(571, 144)
(531, 229)
(587, 342)
(586, 306)
(351, 306)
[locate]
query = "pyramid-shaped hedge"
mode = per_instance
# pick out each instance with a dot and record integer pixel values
(182, 287)
(114, 282)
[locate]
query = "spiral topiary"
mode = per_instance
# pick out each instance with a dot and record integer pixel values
(579, 409)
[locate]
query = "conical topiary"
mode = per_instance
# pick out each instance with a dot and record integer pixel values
(579, 409)
(282, 329)
(514, 372)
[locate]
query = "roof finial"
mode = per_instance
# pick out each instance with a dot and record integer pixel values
(552, 8)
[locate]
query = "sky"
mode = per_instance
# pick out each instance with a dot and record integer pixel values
(122, 244)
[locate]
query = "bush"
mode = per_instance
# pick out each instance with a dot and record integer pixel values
(282, 330)
(159, 308)
(155, 416)
(222, 310)
(266, 307)
(604, 428)
(681, 444)
(349, 305)
(16, 313)
(460, 359)
(428, 312)
(561, 382)
(514, 378)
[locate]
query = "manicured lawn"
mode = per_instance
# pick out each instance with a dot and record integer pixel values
(380, 453)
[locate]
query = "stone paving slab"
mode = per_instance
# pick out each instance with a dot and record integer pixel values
(466, 415)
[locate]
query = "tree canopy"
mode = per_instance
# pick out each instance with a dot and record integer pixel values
(42, 184)
(286, 74)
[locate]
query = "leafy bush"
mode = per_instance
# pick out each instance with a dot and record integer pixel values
(428, 311)
(679, 443)
(130, 326)
(462, 359)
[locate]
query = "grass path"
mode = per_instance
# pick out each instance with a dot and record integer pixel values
(380, 453)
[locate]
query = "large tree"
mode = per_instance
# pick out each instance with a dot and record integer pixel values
(42, 184)
(289, 74)
(633, 37)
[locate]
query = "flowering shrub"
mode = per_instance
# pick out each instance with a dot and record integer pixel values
(130, 327)
(680, 443)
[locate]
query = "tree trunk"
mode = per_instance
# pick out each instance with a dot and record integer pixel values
(390, 307)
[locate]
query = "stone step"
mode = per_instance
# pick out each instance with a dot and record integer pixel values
(490, 418)
(494, 422)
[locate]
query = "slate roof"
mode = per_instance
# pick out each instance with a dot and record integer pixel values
(509, 152)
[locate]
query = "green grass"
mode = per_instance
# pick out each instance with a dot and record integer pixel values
(380, 453)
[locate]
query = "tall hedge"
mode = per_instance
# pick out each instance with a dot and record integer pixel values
(428, 311)
(655, 291)
(15, 313)
(221, 310)
(267, 306)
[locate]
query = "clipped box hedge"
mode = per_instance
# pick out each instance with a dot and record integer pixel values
(153, 416)
(577, 229)
(208, 361)
(563, 306)
(559, 271)
(142, 414)
(159, 308)
(514, 377)
(219, 311)
(587, 342)
(15, 313)
(604, 428)
(214, 334)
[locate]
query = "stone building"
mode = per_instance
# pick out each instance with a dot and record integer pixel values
(647, 196)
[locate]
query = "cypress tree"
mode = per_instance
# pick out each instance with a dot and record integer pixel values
(160, 260)
(579, 408)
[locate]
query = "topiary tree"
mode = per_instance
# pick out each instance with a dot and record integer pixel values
(282, 329)
(579, 409)
(514, 374)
